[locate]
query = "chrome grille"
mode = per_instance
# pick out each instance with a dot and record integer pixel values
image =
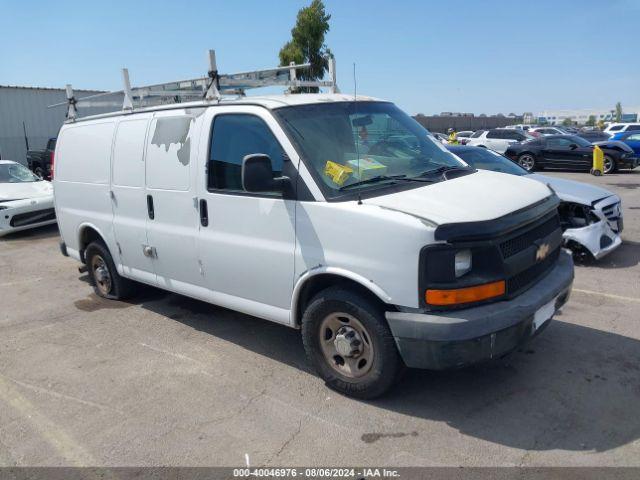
(613, 213)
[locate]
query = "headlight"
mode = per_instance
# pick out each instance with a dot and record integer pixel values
(462, 262)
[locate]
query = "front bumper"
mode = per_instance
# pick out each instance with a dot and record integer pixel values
(629, 161)
(28, 213)
(442, 340)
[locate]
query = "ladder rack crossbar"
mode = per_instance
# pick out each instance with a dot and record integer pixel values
(209, 88)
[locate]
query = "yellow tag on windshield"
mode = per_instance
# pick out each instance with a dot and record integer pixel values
(338, 173)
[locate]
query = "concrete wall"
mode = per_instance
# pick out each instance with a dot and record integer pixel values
(440, 124)
(29, 105)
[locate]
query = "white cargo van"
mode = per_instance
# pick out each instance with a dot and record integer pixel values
(338, 216)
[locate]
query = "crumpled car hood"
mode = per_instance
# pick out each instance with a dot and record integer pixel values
(482, 195)
(572, 191)
(15, 191)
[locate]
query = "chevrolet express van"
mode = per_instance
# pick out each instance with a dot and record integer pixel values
(343, 218)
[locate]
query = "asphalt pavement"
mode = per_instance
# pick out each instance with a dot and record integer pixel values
(166, 380)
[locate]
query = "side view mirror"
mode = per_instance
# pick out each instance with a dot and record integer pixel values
(257, 175)
(573, 146)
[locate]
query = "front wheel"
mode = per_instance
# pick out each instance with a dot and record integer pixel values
(609, 164)
(527, 161)
(348, 341)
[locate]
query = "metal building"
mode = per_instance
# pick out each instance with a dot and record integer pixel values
(26, 120)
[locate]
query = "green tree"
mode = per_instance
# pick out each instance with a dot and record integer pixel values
(567, 122)
(618, 112)
(307, 43)
(591, 121)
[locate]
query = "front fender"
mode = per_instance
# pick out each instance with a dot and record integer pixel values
(340, 272)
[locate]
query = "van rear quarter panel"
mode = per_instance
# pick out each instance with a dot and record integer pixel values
(81, 180)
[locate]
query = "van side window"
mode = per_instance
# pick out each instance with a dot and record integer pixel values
(234, 137)
(169, 152)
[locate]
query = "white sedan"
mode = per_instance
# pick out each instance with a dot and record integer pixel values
(590, 216)
(497, 139)
(26, 201)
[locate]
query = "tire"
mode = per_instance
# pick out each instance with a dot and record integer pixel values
(610, 165)
(337, 312)
(527, 161)
(581, 255)
(104, 277)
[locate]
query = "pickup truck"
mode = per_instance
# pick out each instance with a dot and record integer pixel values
(40, 162)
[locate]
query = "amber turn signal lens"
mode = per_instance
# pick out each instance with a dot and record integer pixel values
(465, 295)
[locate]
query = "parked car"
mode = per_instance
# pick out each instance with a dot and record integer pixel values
(40, 162)
(549, 131)
(498, 139)
(520, 126)
(622, 127)
(594, 136)
(463, 136)
(391, 258)
(591, 217)
(441, 137)
(630, 138)
(570, 152)
(26, 201)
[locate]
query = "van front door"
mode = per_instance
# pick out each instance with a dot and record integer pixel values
(128, 199)
(172, 225)
(247, 241)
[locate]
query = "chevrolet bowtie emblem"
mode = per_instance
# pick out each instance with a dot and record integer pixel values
(542, 252)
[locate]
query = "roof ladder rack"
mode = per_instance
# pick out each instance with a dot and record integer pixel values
(209, 89)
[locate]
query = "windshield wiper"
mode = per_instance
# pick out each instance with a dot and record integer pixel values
(442, 170)
(376, 179)
(379, 178)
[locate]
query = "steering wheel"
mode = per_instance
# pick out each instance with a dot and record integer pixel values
(380, 147)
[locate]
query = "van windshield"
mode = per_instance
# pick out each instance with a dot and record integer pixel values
(364, 145)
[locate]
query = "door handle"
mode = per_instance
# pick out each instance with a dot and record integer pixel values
(150, 210)
(204, 213)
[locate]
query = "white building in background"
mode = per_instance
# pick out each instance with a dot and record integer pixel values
(556, 117)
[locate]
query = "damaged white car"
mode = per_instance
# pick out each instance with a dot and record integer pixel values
(591, 217)
(26, 200)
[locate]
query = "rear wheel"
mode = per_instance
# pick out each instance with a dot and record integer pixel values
(103, 275)
(609, 164)
(527, 161)
(348, 341)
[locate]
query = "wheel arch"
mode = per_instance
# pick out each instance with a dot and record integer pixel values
(87, 233)
(318, 279)
(530, 152)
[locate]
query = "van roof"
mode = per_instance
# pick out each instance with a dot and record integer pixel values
(271, 102)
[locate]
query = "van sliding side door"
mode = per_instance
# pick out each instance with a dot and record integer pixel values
(170, 202)
(128, 199)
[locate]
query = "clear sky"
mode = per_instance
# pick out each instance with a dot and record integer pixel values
(427, 56)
